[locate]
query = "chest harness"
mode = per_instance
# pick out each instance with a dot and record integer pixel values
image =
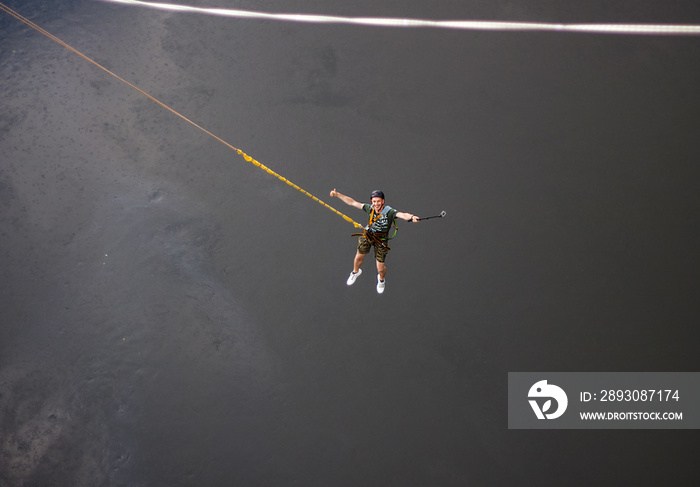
(378, 238)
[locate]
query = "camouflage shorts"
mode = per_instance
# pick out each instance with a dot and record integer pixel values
(380, 251)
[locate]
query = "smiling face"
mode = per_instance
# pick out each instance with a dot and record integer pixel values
(377, 203)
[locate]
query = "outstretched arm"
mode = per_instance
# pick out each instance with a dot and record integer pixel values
(346, 199)
(409, 217)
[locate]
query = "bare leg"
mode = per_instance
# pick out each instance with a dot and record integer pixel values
(381, 270)
(359, 258)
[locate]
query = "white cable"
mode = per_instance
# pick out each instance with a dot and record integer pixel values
(653, 29)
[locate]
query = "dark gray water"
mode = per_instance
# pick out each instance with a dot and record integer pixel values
(172, 315)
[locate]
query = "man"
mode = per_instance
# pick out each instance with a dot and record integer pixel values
(381, 217)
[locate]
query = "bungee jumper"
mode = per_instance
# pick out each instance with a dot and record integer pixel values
(382, 217)
(376, 234)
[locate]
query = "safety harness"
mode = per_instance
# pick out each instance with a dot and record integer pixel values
(378, 238)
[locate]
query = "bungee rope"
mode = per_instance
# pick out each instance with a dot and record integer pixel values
(245, 156)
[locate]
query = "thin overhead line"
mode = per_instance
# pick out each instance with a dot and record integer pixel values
(591, 28)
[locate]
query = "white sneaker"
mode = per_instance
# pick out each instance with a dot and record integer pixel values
(353, 276)
(380, 285)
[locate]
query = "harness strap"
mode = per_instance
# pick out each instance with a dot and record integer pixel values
(373, 218)
(393, 224)
(378, 238)
(372, 237)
